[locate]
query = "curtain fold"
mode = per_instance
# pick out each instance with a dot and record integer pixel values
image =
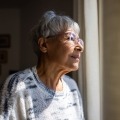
(92, 60)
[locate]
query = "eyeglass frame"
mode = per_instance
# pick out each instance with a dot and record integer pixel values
(73, 37)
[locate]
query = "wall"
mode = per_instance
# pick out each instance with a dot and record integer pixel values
(111, 44)
(10, 24)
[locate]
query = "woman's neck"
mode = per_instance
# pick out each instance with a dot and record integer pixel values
(51, 75)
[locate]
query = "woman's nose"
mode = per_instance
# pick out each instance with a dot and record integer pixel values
(80, 45)
(79, 48)
(81, 42)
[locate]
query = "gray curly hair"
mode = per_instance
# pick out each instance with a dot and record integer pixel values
(49, 25)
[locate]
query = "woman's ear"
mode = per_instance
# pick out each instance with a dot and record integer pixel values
(42, 45)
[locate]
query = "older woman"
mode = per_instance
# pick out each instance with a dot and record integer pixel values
(44, 92)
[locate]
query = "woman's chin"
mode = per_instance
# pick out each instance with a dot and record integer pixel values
(75, 67)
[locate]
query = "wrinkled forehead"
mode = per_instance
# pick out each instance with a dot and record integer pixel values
(71, 30)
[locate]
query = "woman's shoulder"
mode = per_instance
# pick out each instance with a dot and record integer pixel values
(68, 78)
(16, 79)
(72, 84)
(70, 81)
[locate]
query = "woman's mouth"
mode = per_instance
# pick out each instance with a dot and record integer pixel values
(76, 57)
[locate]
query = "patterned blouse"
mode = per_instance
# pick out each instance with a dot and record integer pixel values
(25, 97)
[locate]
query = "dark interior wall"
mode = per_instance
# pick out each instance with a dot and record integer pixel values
(10, 47)
(30, 14)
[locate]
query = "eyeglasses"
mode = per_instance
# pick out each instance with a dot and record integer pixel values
(70, 36)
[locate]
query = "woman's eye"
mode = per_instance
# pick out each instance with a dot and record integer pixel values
(70, 38)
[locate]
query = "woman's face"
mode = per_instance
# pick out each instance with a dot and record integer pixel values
(65, 51)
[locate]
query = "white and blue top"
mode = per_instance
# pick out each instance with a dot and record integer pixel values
(25, 97)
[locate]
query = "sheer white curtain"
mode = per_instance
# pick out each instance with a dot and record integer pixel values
(90, 72)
